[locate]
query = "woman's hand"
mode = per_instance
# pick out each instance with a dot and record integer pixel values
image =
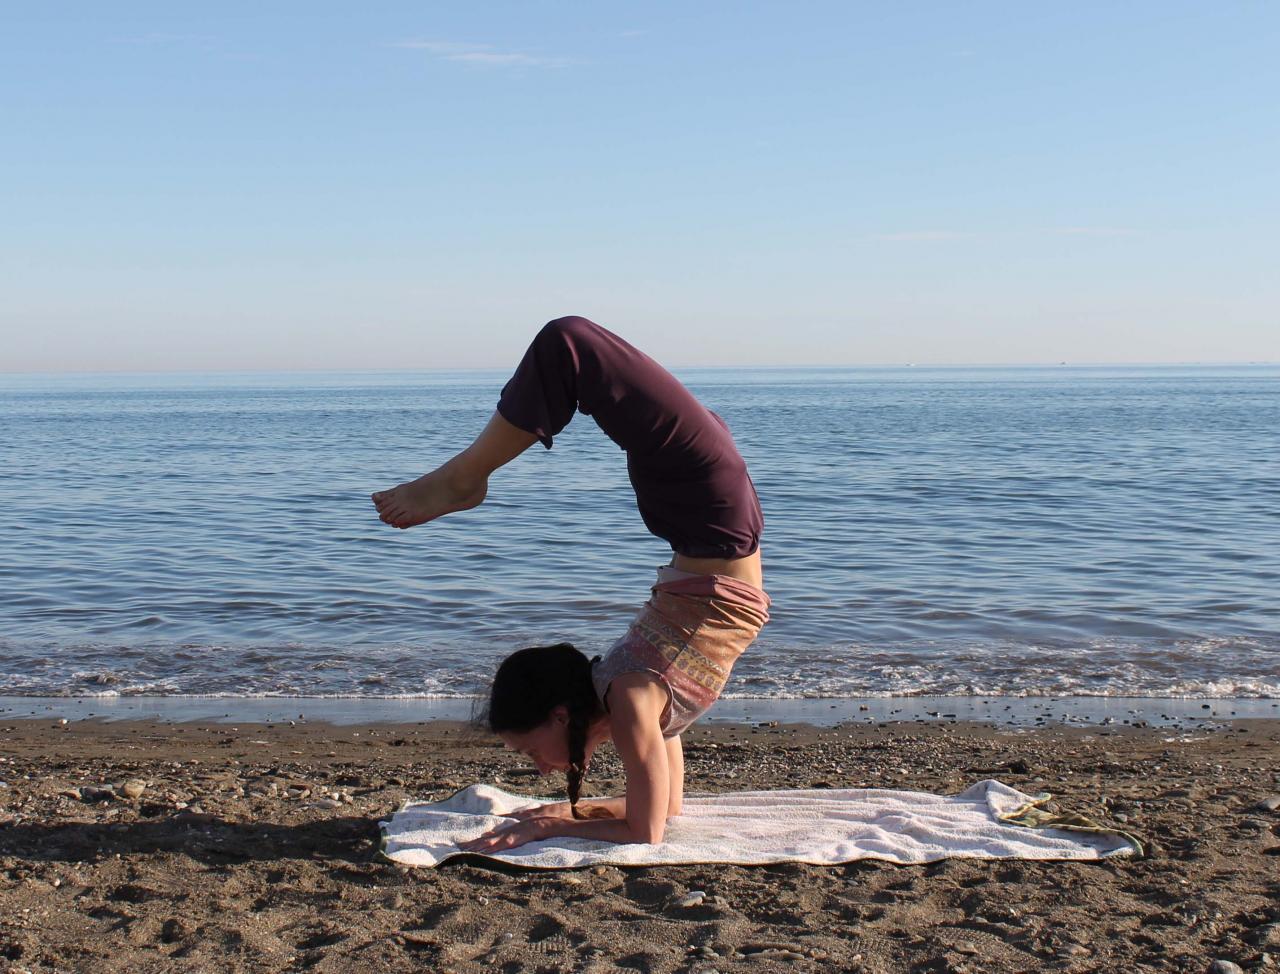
(549, 810)
(510, 836)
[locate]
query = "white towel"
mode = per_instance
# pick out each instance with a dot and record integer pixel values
(819, 826)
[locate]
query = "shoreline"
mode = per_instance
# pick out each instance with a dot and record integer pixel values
(1170, 712)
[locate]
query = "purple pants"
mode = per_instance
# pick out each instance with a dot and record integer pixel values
(691, 483)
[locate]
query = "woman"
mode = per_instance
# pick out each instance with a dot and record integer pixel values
(693, 491)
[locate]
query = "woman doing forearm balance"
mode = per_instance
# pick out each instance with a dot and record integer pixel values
(692, 489)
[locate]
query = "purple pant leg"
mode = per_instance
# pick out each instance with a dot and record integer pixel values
(692, 487)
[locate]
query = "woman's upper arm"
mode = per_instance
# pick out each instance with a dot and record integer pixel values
(636, 703)
(675, 771)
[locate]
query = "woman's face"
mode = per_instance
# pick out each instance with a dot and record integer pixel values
(547, 745)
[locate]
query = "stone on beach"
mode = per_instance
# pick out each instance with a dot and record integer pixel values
(133, 788)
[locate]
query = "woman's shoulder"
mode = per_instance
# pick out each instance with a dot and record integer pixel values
(638, 697)
(639, 685)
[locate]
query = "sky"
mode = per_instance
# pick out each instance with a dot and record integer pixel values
(328, 185)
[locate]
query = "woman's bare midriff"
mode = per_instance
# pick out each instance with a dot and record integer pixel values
(747, 569)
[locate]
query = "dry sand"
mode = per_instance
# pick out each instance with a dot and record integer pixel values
(251, 848)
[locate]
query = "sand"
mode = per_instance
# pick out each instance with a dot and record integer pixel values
(251, 848)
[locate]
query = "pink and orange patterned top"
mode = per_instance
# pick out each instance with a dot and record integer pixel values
(688, 636)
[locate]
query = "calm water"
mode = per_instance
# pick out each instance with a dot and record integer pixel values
(941, 531)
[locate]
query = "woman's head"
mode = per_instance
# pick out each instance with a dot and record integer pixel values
(543, 703)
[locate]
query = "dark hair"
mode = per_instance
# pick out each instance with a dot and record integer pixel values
(532, 682)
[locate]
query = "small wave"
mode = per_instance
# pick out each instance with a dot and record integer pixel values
(1208, 667)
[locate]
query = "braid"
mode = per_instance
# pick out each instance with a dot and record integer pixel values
(582, 706)
(577, 755)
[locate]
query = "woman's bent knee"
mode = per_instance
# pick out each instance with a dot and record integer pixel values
(571, 328)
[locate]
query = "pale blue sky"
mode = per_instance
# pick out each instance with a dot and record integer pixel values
(412, 184)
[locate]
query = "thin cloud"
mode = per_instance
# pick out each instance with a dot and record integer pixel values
(484, 55)
(1096, 231)
(909, 235)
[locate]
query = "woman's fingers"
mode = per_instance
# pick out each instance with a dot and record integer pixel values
(492, 843)
(504, 837)
(489, 841)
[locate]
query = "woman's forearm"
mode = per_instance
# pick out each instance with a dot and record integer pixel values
(617, 807)
(605, 829)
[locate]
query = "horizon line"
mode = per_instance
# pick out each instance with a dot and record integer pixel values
(1237, 363)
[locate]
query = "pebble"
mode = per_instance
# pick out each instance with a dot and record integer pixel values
(1269, 804)
(133, 788)
(692, 898)
(1225, 967)
(419, 938)
(90, 793)
(775, 954)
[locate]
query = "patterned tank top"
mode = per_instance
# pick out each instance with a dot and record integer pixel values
(688, 636)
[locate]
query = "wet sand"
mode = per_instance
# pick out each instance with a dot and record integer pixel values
(145, 846)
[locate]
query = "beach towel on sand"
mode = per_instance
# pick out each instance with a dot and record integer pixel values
(989, 820)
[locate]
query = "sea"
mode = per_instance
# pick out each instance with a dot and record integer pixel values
(944, 533)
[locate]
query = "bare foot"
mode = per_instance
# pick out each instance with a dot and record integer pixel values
(432, 495)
